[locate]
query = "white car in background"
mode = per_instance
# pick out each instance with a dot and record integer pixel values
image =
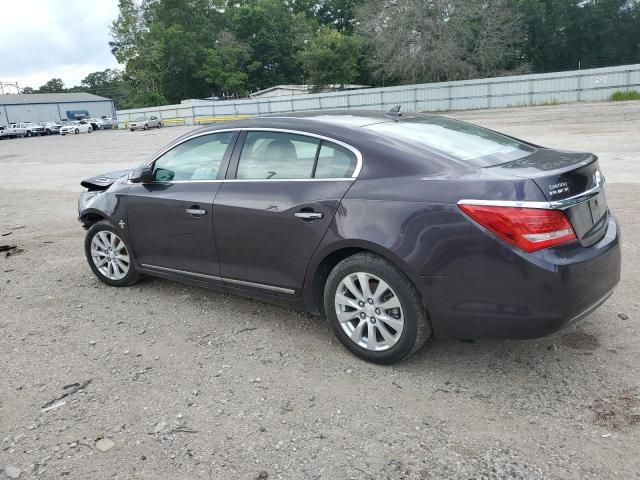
(76, 127)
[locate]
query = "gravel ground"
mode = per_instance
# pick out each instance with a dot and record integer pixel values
(187, 383)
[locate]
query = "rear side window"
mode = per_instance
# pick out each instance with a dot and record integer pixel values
(195, 159)
(461, 141)
(283, 156)
(272, 155)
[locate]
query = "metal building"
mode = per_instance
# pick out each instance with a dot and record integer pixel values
(45, 107)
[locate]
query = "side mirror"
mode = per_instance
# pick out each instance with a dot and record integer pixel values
(143, 174)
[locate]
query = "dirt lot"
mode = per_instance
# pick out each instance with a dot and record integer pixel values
(187, 383)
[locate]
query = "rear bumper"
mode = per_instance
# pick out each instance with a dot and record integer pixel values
(506, 293)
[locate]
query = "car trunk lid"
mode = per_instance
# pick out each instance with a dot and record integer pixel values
(570, 182)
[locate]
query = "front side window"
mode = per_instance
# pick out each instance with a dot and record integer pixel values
(195, 159)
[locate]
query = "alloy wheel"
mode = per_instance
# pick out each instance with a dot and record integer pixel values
(369, 311)
(110, 256)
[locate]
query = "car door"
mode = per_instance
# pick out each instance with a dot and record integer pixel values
(284, 190)
(170, 219)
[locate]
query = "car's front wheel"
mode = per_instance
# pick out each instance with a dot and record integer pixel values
(375, 310)
(146, 127)
(109, 255)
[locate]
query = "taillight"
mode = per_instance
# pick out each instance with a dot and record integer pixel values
(529, 229)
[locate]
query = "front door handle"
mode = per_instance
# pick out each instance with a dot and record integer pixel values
(309, 215)
(196, 211)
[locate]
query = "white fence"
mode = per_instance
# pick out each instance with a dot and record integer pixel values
(562, 87)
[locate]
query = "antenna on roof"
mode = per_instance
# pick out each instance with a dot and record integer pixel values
(394, 112)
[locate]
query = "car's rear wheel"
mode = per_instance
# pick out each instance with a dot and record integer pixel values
(89, 130)
(29, 133)
(109, 255)
(146, 127)
(77, 131)
(375, 310)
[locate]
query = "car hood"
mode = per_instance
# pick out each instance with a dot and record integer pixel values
(103, 181)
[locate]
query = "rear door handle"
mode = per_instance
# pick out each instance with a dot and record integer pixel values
(196, 211)
(309, 215)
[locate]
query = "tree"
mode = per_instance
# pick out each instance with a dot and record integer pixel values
(418, 41)
(28, 90)
(225, 67)
(338, 14)
(54, 85)
(565, 33)
(331, 58)
(266, 27)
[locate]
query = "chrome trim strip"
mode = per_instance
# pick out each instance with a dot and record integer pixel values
(222, 279)
(550, 205)
(353, 150)
(184, 272)
(581, 197)
(505, 203)
(259, 285)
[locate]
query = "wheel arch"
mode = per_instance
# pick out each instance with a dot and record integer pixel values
(90, 217)
(327, 260)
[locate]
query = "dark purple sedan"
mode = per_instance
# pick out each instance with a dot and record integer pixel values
(395, 227)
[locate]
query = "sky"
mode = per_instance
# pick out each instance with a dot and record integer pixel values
(43, 39)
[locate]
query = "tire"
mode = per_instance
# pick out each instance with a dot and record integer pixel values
(29, 133)
(102, 231)
(410, 318)
(77, 131)
(89, 130)
(146, 127)
(132, 129)
(159, 125)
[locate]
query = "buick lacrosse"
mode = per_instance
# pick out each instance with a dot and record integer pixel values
(395, 227)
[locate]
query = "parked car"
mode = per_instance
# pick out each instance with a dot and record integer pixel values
(397, 228)
(34, 129)
(81, 126)
(96, 123)
(15, 130)
(145, 123)
(109, 122)
(50, 128)
(3, 133)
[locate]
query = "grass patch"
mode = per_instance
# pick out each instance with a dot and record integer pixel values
(624, 95)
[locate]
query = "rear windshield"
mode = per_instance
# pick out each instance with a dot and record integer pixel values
(459, 140)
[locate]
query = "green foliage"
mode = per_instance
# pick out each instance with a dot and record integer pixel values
(177, 49)
(331, 58)
(625, 95)
(54, 85)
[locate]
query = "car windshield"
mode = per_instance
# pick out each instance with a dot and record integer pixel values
(461, 141)
(140, 119)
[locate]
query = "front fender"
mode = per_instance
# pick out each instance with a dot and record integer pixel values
(106, 204)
